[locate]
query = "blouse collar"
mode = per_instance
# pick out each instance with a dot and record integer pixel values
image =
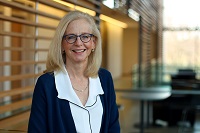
(65, 90)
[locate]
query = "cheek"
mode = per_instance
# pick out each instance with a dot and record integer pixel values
(65, 46)
(91, 45)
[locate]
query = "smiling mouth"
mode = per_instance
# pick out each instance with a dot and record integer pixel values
(79, 51)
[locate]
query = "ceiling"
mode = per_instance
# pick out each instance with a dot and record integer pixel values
(119, 16)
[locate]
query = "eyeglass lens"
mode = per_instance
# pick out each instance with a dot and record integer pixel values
(71, 38)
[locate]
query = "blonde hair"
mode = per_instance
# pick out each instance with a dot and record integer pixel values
(55, 58)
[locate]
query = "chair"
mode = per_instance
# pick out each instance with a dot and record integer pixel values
(194, 108)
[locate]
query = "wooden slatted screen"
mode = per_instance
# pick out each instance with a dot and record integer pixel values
(150, 37)
(26, 30)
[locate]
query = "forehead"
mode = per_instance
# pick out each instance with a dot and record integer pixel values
(78, 26)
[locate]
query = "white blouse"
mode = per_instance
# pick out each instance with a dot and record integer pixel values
(87, 118)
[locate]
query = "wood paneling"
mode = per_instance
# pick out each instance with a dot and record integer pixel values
(26, 32)
(150, 24)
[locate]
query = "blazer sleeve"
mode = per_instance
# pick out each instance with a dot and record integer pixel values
(111, 115)
(38, 115)
(114, 114)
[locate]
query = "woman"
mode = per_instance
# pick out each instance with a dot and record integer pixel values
(74, 95)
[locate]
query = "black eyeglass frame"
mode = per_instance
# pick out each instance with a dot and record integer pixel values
(90, 35)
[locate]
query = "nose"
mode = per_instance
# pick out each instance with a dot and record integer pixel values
(78, 41)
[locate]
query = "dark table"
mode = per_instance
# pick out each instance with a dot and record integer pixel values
(146, 95)
(152, 94)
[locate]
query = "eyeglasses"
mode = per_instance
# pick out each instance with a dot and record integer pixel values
(71, 38)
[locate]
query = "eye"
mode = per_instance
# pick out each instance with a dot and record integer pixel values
(85, 36)
(70, 37)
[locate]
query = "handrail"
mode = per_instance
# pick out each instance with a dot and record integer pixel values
(28, 9)
(5, 123)
(25, 62)
(28, 36)
(16, 91)
(18, 77)
(22, 49)
(17, 20)
(15, 105)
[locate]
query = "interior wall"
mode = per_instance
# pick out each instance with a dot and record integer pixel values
(1, 56)
(130, 50)
(114, 50)
(103, 31)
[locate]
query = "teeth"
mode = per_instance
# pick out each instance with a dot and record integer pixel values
(78, 51)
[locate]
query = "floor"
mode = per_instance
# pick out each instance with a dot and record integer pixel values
(130, 114)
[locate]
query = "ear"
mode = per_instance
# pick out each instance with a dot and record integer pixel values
(62, 47)
(94, 41)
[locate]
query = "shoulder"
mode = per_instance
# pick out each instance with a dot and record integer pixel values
(46, 77)
(45, 83)
(105, 77)
(45, 80)
(104, 72)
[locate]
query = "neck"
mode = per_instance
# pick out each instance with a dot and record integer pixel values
(78, 80)
(76, 71)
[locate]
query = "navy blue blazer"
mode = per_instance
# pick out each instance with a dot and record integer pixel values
(50, 114)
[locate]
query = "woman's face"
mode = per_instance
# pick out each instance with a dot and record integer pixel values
(79, 51)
